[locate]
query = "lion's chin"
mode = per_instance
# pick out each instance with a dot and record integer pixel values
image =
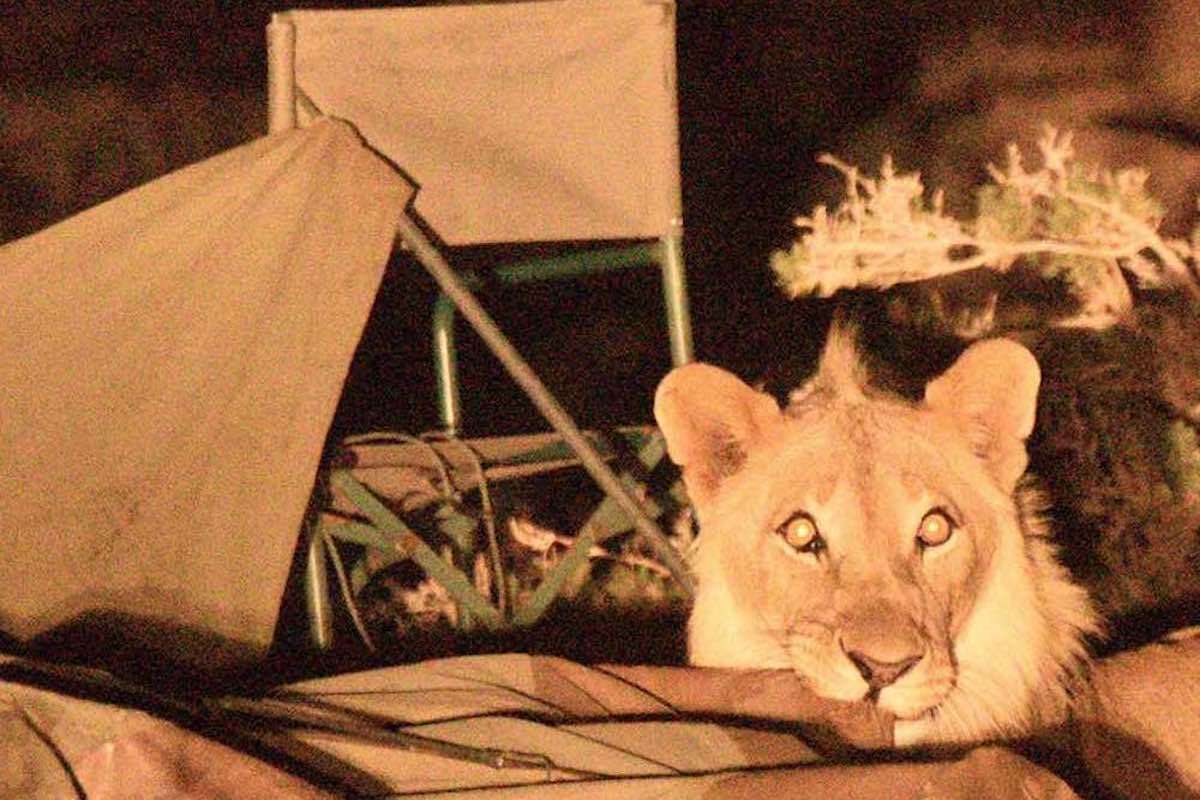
(916, 701)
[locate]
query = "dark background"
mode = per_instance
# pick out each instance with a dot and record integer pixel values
(98, 97)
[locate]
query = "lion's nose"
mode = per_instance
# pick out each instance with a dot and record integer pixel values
(879, 674)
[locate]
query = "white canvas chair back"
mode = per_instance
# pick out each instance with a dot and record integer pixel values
(534, 121)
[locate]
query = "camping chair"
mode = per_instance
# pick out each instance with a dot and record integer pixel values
(525, 122)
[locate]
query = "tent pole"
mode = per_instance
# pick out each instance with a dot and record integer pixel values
(454, 288)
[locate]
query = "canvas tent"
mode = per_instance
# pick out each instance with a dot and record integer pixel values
(171, 361)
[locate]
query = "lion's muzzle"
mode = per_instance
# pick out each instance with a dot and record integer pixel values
(881, 641)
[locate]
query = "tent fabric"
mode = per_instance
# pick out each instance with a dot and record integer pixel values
(78, 740)
(532, 121)
(637, 731)
(609, 721)
(615, 722)
(1140, 726)
(171, 362)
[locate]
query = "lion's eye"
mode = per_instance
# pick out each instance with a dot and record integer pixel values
(800, 533)
(935, 528)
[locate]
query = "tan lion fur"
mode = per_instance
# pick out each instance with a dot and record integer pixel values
(990, 623)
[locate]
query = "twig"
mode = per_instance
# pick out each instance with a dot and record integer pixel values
(884, 232)
(287, 713)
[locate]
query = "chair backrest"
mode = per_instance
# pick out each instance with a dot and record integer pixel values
(531, 121)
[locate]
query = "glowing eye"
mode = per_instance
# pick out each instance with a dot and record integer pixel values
(800, 533)
(935, 528)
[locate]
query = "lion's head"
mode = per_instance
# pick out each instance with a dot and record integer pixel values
(882, 549)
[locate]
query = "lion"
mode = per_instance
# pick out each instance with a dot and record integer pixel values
(882, 549)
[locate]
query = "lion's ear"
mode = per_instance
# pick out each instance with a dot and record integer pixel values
(991, 394)
(710, 420)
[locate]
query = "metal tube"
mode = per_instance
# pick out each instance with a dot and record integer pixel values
(399, 539)
(527, 379)
(575, 265)
(316, 592)
(445, 366)
(578, 265)
(679, 325)
(675, 299)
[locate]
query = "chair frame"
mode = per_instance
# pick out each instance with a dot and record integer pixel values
(288, 108)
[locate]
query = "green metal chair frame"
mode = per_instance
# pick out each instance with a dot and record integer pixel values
(667, 253)
(367, 520)
(508, 457)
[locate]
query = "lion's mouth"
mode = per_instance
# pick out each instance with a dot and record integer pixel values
(923, 701)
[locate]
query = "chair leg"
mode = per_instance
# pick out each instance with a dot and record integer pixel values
(445, 367)
(675, 299)
(316, 593)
